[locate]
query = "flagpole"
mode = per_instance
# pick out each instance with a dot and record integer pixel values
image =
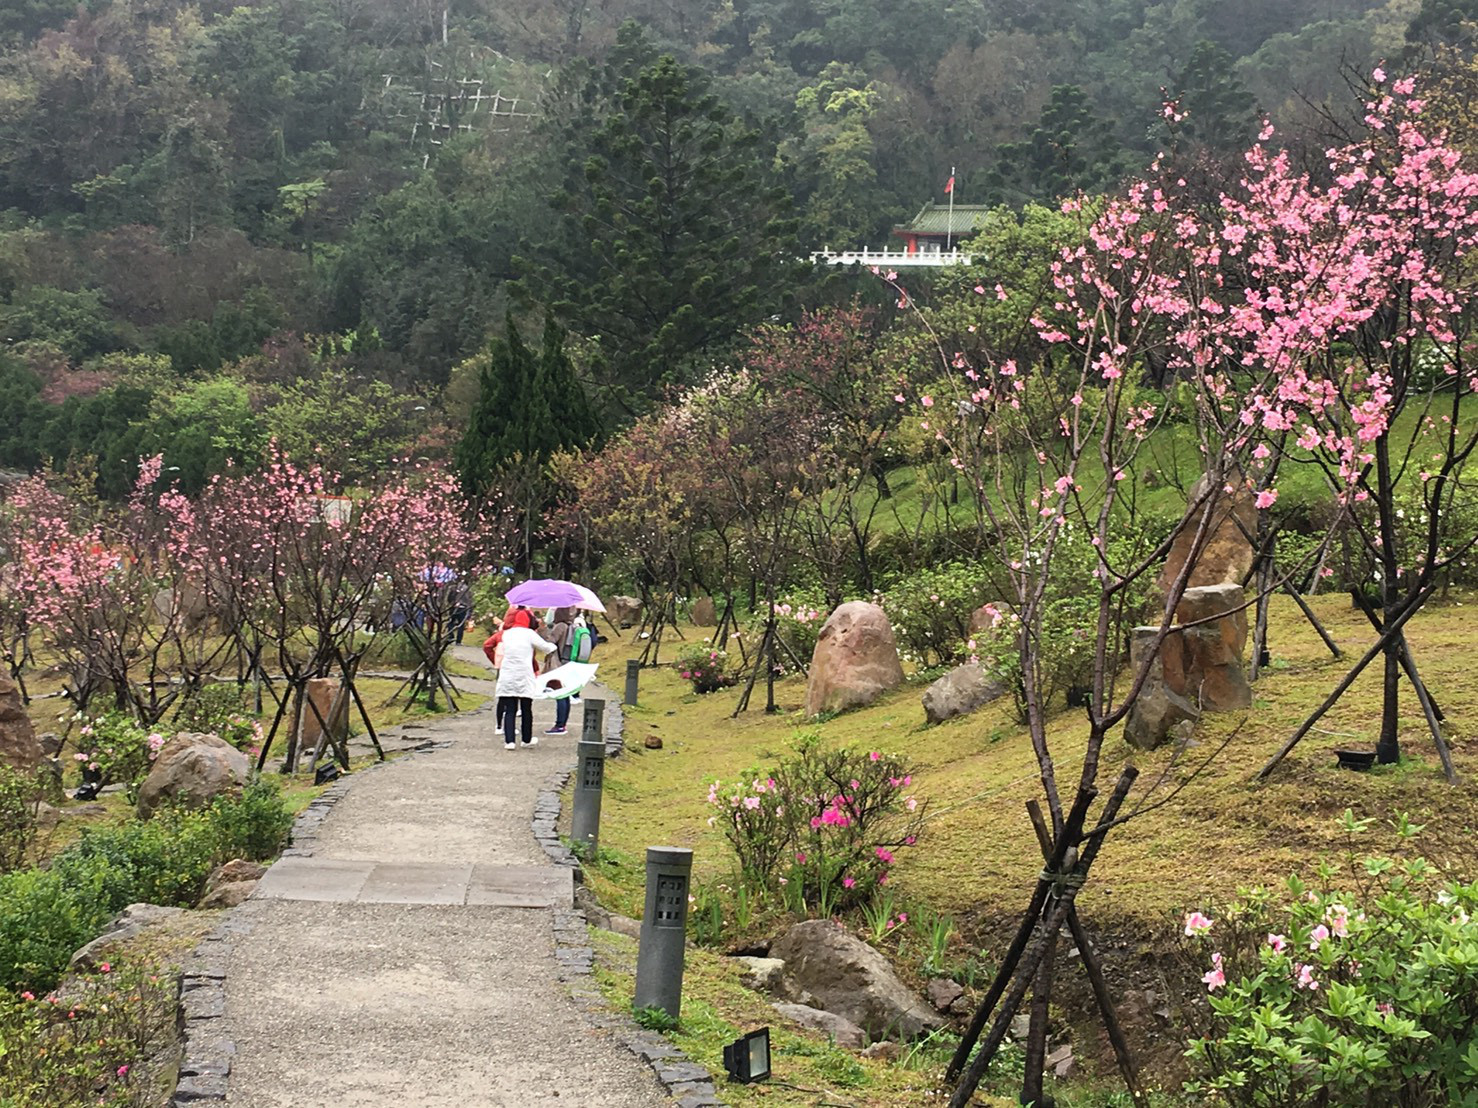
(950, 229)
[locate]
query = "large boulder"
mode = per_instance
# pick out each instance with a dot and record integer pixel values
(959, 692)
(20, 749)
(855, 660)
(624, 611)
(1227, 556)
(704, 613)
(128, 925)
(838, 972)
(192, 770)
(188, 605)
(1197, 669)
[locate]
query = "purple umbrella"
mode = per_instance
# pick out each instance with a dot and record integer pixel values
(550, 593)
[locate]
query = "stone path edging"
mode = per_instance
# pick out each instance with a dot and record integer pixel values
(690, 1083)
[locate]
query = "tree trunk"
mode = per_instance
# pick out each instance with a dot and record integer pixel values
(1036, 1039)
(1388, 749)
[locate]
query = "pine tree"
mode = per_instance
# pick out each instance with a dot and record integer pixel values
(527, 408)
(575, 422)
(498, 429)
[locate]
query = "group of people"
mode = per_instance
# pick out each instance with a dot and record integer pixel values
(517, 651)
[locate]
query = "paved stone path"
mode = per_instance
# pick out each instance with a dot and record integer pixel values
(396, 966)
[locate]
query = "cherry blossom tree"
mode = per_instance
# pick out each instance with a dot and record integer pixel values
(1322, 310)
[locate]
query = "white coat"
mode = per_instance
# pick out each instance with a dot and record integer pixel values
(516, 678)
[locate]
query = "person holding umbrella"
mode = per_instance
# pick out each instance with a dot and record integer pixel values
(516, 678)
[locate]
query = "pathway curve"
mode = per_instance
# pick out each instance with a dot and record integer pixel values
(394, 966)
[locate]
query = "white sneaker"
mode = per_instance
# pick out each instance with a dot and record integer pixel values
(532, 740)
(510, 746)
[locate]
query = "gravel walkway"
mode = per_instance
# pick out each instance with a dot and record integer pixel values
(375, 999)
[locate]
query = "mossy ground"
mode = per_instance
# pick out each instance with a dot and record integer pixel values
(1224, 829)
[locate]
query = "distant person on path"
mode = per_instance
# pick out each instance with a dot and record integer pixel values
(520, 644)
(561, 630)
(461, 609)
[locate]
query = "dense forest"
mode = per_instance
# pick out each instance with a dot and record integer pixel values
(304, 220)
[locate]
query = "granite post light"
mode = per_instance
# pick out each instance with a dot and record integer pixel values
(633, 676)
(659, 958)
(590, 774)
(593, 723)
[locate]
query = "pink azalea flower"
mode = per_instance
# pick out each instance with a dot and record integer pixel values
(1317, 936)
(1214, 978)
(1197, 924)
(1277, 942)
(1306, 977)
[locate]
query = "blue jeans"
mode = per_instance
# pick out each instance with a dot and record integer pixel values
(562, 711)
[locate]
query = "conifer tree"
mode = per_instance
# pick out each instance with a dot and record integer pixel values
(498, 429)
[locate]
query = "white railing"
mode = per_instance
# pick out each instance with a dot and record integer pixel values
(891, 259)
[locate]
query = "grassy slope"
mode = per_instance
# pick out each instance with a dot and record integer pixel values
(1221, 831)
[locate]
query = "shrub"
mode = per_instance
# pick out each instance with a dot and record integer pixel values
(86, 1049)
(1361, 991)
(823, 827)
(20, 797)
(219, 709)
(113, 748)
(705, 666)
(930, 610)
(799, 617)
(47, 914)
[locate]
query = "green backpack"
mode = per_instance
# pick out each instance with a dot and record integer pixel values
(582, 642)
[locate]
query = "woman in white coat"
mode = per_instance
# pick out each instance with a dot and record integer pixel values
(516, 678)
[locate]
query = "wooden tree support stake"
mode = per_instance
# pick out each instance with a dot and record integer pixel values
(1066, 885)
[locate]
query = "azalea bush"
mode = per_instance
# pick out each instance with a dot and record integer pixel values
(824, 827)
(114, 749)
(799, 617)
(1356, 990)
(705, 666)
(88, 1048)
(46, 914)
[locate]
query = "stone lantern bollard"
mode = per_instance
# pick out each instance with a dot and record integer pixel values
(633, 676)
(659, 959)
(590, 772)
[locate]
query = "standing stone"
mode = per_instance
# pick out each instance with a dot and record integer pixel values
(855, 660)
(20, 749)
(959, 692)
(1228, 553)
(325, 693)
(1214, 678)
(1159, 708)
(704, 612)
(1197, 669)
(192, 769)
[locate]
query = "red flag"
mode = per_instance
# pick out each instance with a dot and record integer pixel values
(949, 186)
